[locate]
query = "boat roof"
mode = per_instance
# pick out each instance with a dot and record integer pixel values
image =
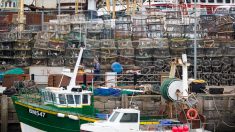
(127, 110)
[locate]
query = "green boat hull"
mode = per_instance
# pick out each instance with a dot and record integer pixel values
(48, 120)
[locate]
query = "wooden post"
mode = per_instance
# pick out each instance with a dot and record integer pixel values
(4, 113)
(127, 7)
(114, 9)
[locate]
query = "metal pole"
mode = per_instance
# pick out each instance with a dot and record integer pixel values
(42, 23)
(195, 41)
(58, 1)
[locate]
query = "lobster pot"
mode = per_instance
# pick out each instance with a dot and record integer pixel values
(144, 52)
(145, 43)
(94, 35)
(161, 52)
(107, 43)
(139, 34)
(39, 61)
(159, 64)
(22, 62)
(111, 52)
(73, 44)
(126, 52)
(91, 53)
(71, 53)
(7, 45)
(70, 62)
(107, 33)
(160, 43)
(213, 52)
(7, 36)
(6, 54)
(140, 21)
(59, 61)
(55, 53)
(230, 51)
(56, 45)
(199, 63)
(39, 53)
(123, 26)
(178, 43)
(123, 34)
(107, 61)
(154, 19)
(92, 44)
(79, 26)
(22, 45)
(26, 35)
(216, 64)
(127, 60)
(87, 61)
(143, 61)
(22, 54)
(200, 52)
(124, 43)
(154, 34)
(155, 27)
(177, 52)
(123, 19)
(34, 28)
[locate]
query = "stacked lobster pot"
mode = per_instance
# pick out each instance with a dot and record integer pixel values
(94, 29)
(208, 24)
(6, 52)
(40, 49)
(155, 25)
(178, 46)
(126, 53)
(174, 28)
(108, 30)
(74, 41)
(56, 52)
(161, 54)
(144, 52)
(8, 36)
(92, 52)
(123, 27)
(22, 52)
(139, 27)
(225, 25)
(108, 53)
(78, 23)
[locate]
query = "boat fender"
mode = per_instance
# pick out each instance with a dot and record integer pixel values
(60, 115)
(192, 114)
(73, 117)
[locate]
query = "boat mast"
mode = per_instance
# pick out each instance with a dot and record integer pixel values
(195, 41)
(72, 82)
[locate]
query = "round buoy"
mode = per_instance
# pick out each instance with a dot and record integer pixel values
(116, 67)
(192, 114)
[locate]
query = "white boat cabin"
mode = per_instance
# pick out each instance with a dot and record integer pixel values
(66, 98)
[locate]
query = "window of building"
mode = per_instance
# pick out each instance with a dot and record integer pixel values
(219, 1)
(194, 1)
(70, 99)
(203, 1)
(129, 117)
(85, 99)
(227, 1)
(14, 4)
(211, 1)
(62, 99)
(113, 118)
(77, 99)
(10, 4)
(5, 4)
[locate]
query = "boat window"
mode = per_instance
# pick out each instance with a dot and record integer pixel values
(53, 97)
(188, 1)
(62, 99)
(113, 118)
(232, 10)
(129, 117)
(203, 1)
(14, 4)
(85, 99)
(219, 1)
(77, 99)
(70, 99)
(227, 1)
(9, 4)
(211, 1)
(194, 1)
(5, 4)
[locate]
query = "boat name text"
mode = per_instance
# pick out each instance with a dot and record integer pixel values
(37, 113)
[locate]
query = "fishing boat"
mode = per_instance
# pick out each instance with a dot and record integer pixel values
(57, 109)
(208, 6)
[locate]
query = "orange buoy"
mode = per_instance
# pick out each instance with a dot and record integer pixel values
(192, 114)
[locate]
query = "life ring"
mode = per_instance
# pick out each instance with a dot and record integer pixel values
(192, 114)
